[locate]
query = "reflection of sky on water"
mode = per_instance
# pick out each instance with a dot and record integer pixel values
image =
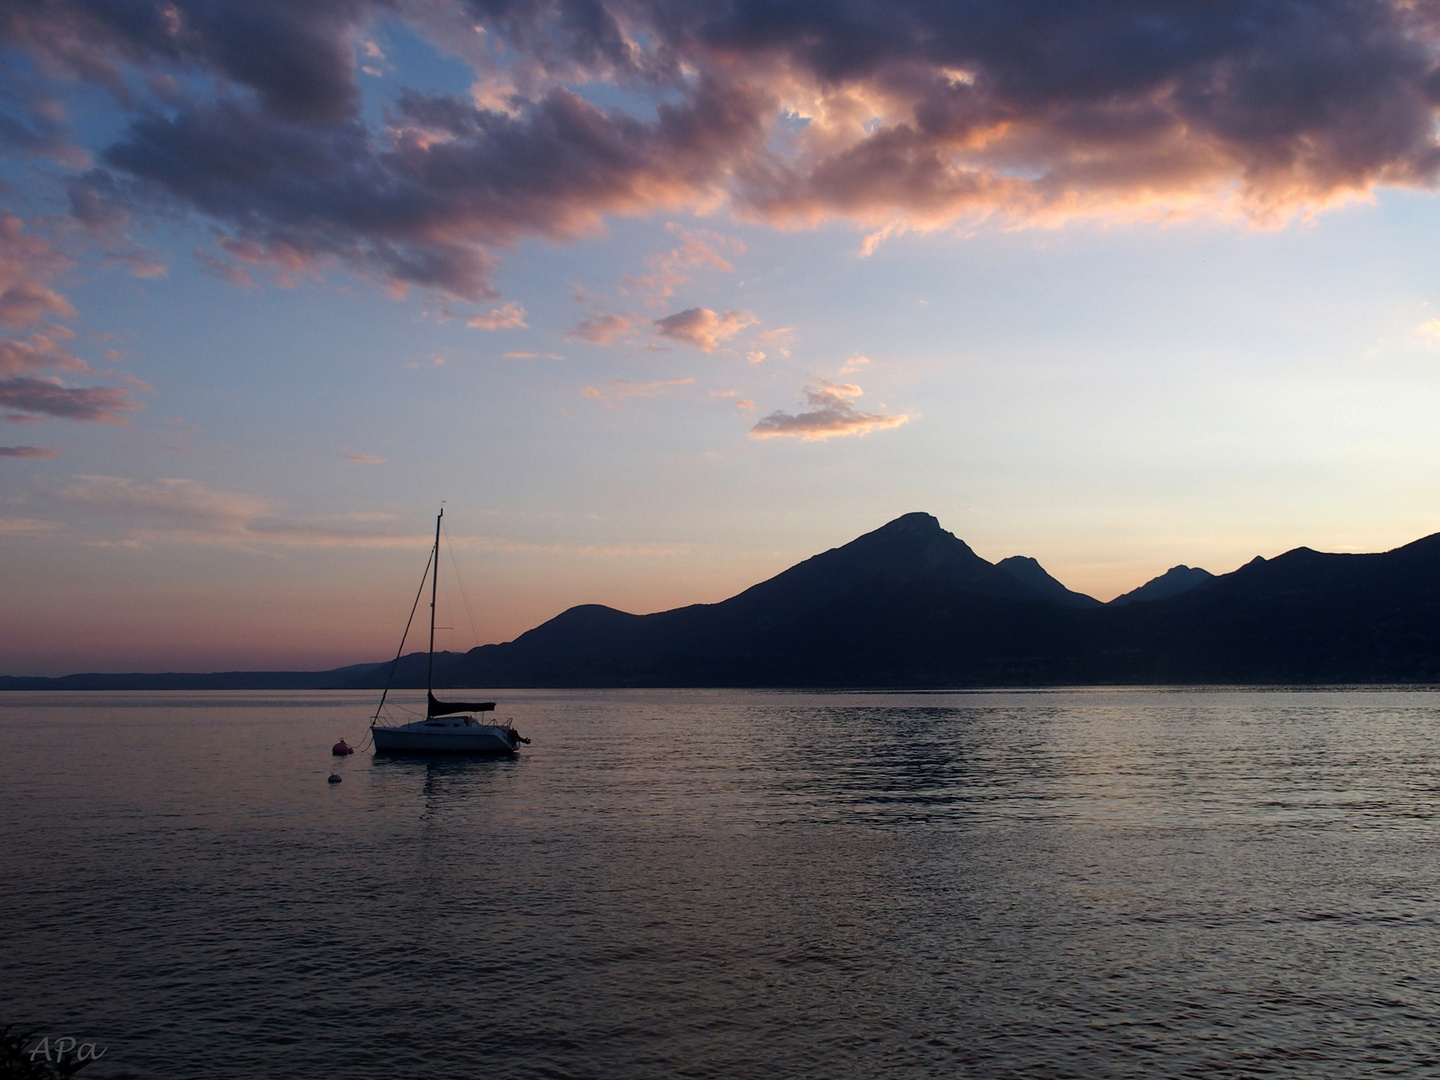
(711, 884)
(914, 764)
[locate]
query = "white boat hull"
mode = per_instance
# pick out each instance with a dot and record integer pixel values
(454, 737)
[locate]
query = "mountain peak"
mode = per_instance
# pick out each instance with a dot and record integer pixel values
(1176, 580)
(910, 547)
(915, 523)
(912, 550)
(1029, 572)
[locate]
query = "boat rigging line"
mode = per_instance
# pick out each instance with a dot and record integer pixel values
(396, 662)
(464, 596)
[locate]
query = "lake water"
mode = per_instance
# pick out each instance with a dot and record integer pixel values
(731, 885)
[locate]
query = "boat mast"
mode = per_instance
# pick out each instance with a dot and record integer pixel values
(434, 586)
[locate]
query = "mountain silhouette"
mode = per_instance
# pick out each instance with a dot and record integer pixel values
(1173, 582)
(1025, 569)
(911, 605)
(821, 620)
(1302, 617)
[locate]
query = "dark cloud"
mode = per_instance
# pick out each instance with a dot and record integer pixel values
(296, 56)
(29, 451)
(905, 114)
(569, 37)
(423, 206)
(1034, 108)
(30, 399)
(32, 121)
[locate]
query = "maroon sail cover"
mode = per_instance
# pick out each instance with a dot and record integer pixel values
(445, 708)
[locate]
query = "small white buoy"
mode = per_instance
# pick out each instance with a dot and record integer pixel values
(334, 778)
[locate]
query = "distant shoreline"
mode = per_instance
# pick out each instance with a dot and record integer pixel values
(303, 680)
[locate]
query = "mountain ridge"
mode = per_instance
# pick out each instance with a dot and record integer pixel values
(911, 605)
(1176, 580)
(1029, 571)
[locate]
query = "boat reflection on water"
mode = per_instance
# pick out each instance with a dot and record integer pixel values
(441, 780)
(440, 767)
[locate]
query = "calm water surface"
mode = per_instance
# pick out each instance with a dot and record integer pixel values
(731, 884)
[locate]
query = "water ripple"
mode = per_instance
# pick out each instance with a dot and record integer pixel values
(709, 884)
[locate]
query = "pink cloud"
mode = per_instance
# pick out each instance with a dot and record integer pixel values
(27, 526)
(28, 264)
(223, 269)
(833, 413)
(29, 451)
(703, 328)
(40, 351)
(291, 262)
(603, 328)
(668, 269)
(510, 316)
(178, 509)
(620, 389)
(169, 502)
(137, 262)
(778, 338)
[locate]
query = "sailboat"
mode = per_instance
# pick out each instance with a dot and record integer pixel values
(447, 727)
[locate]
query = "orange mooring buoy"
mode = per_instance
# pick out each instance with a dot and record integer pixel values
(340, 749)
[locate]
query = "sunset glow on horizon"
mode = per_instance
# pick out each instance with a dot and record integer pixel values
(661, 298)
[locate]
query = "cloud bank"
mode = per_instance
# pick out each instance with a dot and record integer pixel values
(178, 509)
(28, 265)
(909, 115)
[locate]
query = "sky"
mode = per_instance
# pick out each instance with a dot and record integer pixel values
(659, 298)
